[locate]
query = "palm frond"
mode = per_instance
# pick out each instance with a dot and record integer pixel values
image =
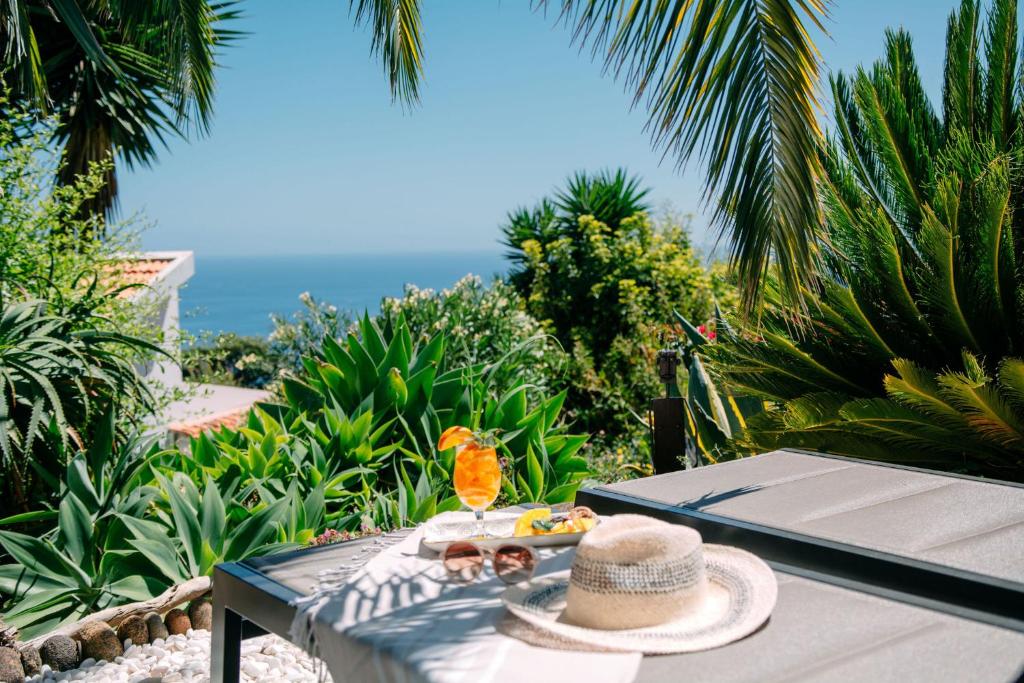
(21, 56)
(898, 120)
(610, 197)
(942, 248)
(119, 75)
(1001, 78)
(735, 81)
(853, 140)
(982, 406)
(397, 39)
(961, 93)
(190, 32)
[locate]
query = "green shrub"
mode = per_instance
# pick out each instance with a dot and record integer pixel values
(48, 250)
(69, 345)
(258, 362)
(604, 279)
(910, 350)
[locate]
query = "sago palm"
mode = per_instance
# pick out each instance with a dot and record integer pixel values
(120, 75)
(910, 351)
(732, 80)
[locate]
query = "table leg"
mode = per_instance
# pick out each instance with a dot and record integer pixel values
(226, 643)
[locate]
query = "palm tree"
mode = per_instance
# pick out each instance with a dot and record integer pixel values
(734, 80)
(912, 349)
(119, 75)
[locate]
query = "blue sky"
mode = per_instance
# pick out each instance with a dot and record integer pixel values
(308, 155)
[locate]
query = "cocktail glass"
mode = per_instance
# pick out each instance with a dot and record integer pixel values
(477, 479)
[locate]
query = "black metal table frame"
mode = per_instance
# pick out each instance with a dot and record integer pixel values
(247, 603)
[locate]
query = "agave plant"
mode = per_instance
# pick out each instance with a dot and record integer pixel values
(377, 404)
(61, 370)
(126, 530)
(196, 528)
(911, 346)
(715, 417)
(83, 563)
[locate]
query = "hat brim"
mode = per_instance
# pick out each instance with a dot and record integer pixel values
(741, 595)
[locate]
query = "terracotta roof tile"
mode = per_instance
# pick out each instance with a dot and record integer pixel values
(193, 427)
(142, 271)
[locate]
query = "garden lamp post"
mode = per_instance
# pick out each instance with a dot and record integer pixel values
(669, 417)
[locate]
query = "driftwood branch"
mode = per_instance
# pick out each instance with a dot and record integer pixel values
(169, 599)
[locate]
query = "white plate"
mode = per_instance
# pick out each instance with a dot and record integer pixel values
(446, 528)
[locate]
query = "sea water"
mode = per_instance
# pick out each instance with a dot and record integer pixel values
(238, 294)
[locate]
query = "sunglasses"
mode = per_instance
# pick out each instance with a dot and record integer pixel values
(512, 563)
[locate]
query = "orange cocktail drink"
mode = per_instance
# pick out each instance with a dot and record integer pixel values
(477, 476)
(477, 472)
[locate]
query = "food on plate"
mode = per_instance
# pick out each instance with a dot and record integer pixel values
(541, 522)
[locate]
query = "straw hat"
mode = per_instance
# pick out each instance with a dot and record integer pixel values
(638, 584)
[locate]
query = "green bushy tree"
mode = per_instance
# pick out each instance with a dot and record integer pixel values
(47, 247)
(604, 278)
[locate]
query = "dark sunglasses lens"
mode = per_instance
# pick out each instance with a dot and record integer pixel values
(463, 561)
(514, 563)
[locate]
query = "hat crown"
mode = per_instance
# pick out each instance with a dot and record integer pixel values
(633, 571)
(630, 539)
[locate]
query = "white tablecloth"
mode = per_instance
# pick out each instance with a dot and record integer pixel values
(399, 618)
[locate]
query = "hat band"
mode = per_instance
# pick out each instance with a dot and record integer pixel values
(597, 576)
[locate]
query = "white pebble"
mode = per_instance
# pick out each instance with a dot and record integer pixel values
(186, 659)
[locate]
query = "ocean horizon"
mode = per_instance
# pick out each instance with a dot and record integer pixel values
(239, 293)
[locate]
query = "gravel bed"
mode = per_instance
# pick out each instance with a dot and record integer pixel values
(186, 659)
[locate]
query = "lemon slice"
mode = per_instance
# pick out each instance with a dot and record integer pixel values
(524, 525)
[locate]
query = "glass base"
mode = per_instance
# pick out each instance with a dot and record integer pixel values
(481, 530)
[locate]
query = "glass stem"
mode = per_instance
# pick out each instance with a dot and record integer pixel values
(479, 522)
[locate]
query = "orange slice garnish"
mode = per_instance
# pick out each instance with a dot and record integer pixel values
(454, 436)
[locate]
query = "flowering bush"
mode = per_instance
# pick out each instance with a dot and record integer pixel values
(302, 333)
(230, 359)
(334, 536)
(481, 324)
